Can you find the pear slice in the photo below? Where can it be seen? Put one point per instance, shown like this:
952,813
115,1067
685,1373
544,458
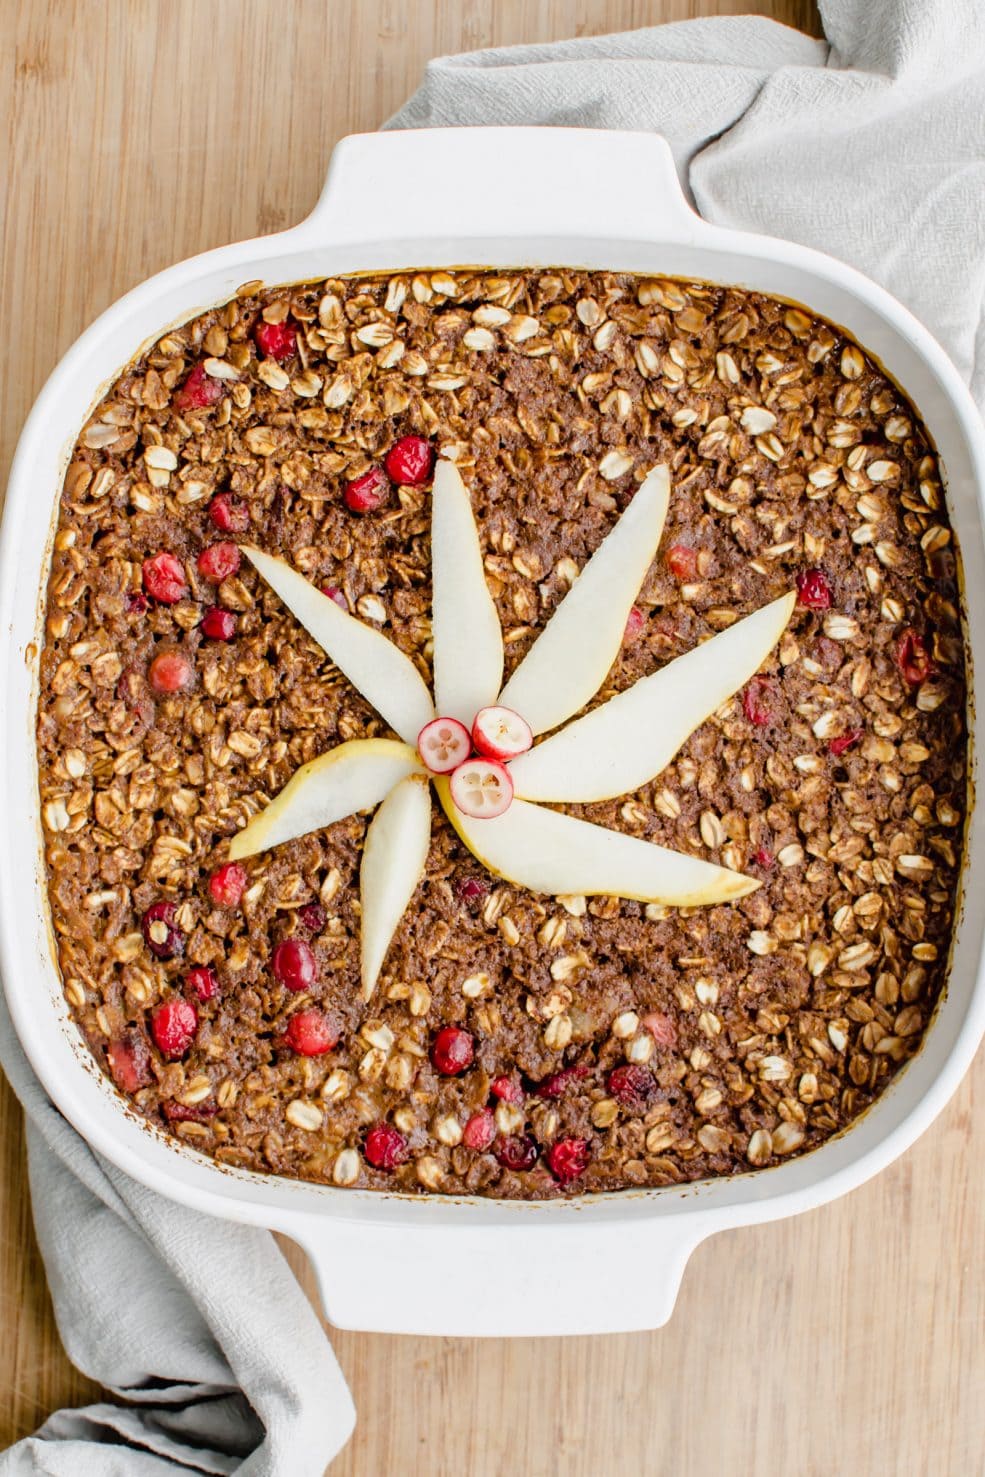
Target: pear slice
568,662
394,856
625,742
385,677
468,640
546,851
354,776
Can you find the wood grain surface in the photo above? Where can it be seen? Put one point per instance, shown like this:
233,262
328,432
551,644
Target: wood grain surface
849,1341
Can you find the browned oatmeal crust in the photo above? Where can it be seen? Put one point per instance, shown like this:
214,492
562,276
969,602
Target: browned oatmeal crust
787,1013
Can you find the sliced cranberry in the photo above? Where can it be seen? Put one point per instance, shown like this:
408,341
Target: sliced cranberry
313,917
763,857
482,788
199,390
164,940
311,1033
682,561
558,1083
443,744
452,1050
227,885
219,561
409,461
202,982
755,701
568,1159
137,604
507,1089
470,889
635,622
164,578
228,514
128,1057
385,1147
479,1131
500,733
190,1113
275,340
632,1086
334,593
813,589
218,624
661,1028
518,1152
366,493
846,741
173,1026
170,671
294,964
913,658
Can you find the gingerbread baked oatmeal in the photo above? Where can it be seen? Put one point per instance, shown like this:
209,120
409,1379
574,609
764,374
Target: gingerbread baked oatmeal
510,1040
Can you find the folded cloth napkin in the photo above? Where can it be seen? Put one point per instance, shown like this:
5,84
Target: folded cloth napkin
872,147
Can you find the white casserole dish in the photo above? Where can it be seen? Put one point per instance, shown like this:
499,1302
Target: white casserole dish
512,197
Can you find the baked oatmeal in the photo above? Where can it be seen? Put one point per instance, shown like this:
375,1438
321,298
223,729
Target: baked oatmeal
517,1044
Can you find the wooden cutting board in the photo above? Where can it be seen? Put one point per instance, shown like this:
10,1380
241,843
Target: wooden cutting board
849,1341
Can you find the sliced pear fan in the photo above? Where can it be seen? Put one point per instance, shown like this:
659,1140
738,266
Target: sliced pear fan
385,677
627,741
355,776
546,851
395,853
468,639
568,662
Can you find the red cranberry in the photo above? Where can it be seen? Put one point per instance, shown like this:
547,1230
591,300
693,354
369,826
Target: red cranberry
409,461
519,1151
452,1050
682,561
635,622
763,857
170,671
813,589
470,889
846,741
385,1147
227,885
228,514
218,625
293,963
507,1089
137,604
913,658
164,578
203,983
189,1113
567,1159
311,1033
199,390
480,1131
755,701
661,1028
218,561
129,1061
275,340
173,1026
558,1083
313,917
334,593
164,940
366,493
632,1086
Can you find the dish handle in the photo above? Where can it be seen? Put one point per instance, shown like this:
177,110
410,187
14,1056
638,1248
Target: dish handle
480,184
499,1280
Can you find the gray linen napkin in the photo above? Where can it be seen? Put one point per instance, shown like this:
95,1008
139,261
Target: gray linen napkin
872,148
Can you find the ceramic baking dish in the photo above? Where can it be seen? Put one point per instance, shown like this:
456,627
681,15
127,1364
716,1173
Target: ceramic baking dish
496,197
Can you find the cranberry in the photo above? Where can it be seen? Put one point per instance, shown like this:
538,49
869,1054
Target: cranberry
519,1151
334,593
470,889
228,514
190,1113
164,940
507,1089
218,561
366,493
227,885
170,671
913,658
275,340
846,741
661,1028
558,1083
137,604
567,1159
480,1131
202,982
173,1026
218,625
129,1061
385,1147
813,589
409,461
635,622
452,1050
632,1086
313,917
311,1033
682,561
763,857
294,965
199,390
755,701
164,578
